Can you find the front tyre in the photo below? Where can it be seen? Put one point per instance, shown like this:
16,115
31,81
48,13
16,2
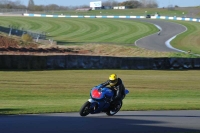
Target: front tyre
113,110
85,109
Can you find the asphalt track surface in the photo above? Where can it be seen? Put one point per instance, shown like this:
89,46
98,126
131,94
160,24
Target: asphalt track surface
158,42
122,122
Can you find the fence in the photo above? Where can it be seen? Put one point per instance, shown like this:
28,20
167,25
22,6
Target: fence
38,37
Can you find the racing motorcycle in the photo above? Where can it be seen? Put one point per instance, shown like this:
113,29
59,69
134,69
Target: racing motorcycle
100,101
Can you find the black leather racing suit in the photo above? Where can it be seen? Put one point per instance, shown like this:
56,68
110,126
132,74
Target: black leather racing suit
119,89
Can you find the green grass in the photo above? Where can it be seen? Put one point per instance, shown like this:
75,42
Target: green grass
79,31
189,40
66,90
128,12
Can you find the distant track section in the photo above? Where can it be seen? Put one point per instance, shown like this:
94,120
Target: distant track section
158,42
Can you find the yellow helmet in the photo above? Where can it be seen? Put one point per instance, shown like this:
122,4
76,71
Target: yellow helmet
113,79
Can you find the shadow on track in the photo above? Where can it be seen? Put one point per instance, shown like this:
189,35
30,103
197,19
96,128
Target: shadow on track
75,124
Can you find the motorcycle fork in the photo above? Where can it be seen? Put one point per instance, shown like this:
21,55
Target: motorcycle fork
94,104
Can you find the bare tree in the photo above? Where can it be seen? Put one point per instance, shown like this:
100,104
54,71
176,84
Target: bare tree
39,8
4,2
31,5
152,4
110,3
8,4
144,3
171,7
131,4
53,7
149,3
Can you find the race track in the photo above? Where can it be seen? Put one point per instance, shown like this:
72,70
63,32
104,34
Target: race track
158,42
122,122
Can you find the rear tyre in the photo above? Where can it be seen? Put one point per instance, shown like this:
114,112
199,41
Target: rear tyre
85,109
113,110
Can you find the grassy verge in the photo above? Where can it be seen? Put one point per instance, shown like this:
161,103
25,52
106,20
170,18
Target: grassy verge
189,40
66,90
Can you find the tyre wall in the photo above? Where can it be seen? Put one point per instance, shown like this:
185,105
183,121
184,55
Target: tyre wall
9,62
140,17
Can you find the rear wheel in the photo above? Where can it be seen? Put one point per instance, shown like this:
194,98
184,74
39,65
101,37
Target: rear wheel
85,109
114,108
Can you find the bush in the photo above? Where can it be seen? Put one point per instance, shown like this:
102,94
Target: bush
27,38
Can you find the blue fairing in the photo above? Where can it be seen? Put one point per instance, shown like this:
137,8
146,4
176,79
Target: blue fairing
104,92
100,93
126,91
101,98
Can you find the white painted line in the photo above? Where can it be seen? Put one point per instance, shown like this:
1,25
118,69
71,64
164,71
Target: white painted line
167,43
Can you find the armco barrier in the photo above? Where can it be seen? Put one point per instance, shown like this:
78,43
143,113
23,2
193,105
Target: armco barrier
8,62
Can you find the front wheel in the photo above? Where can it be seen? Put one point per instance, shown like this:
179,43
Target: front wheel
85,109
114,108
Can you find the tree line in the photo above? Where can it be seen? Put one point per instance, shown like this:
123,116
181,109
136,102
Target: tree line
17,4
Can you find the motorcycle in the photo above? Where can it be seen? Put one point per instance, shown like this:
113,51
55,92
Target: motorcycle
100,101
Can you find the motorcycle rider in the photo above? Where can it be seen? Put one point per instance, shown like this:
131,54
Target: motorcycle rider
117,86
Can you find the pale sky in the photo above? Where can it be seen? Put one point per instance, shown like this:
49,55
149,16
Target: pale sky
161,3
